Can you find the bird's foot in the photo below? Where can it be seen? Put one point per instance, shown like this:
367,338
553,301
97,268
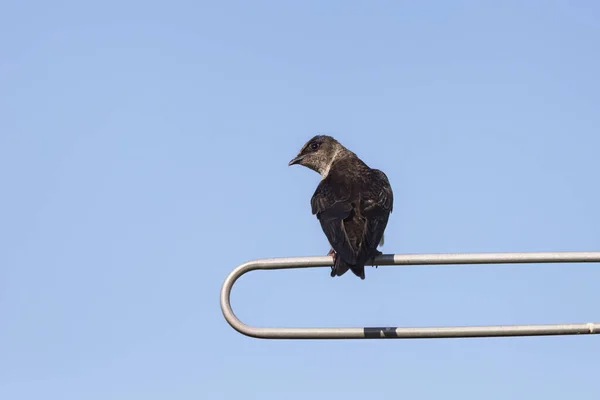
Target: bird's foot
372,259
334,255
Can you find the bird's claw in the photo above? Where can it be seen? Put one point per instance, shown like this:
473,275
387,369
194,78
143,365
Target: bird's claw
334,255
372,259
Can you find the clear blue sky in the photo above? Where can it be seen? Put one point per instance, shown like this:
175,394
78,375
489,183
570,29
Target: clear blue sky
143,155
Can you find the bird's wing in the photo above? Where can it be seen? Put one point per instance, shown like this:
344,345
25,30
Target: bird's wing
377,204
331,205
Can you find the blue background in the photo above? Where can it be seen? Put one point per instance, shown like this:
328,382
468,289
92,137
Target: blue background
143,155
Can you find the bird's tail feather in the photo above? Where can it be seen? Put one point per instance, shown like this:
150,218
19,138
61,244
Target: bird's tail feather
340,267
358,270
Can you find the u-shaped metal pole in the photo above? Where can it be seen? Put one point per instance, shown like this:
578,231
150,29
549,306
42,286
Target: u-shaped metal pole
406,332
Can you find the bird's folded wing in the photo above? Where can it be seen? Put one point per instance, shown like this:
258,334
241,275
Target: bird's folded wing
331,208
377,205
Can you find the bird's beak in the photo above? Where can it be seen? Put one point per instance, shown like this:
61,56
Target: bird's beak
296,160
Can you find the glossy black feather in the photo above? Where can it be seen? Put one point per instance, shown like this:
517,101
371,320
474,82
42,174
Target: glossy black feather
353,203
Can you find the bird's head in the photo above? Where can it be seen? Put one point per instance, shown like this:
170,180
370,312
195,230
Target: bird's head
318,154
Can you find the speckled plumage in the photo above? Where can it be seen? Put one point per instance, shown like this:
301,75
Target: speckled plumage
352,202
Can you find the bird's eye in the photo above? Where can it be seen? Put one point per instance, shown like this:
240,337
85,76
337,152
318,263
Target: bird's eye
314,146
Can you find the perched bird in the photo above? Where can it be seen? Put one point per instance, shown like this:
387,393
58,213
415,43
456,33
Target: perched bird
352,202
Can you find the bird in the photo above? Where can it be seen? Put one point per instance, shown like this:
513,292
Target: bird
352,202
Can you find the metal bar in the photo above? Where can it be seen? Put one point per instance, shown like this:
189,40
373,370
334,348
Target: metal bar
406,332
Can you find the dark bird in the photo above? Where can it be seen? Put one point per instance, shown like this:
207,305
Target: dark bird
352,202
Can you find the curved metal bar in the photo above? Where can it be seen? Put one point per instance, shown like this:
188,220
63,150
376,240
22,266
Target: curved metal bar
405,332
